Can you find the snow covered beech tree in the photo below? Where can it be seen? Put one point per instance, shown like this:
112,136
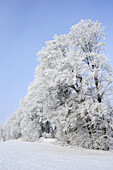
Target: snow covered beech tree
78,77
69,95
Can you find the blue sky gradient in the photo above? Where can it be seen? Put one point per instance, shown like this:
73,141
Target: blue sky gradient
25,25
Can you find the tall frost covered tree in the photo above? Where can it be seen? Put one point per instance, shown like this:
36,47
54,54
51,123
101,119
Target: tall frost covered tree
96,79
79,79
68,98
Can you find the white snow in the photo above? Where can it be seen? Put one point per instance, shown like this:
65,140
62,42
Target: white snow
49,155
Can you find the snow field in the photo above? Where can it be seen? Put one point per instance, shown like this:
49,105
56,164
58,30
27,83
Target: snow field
49,155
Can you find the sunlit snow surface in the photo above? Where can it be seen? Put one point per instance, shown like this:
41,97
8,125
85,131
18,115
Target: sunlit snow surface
49,155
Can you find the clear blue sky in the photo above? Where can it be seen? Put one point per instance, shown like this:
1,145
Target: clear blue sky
25,25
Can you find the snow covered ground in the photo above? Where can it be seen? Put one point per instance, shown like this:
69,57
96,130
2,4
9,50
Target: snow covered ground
46,155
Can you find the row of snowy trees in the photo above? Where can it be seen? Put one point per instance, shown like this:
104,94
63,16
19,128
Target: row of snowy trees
69,96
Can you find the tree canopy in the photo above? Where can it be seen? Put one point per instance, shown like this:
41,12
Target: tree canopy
68,98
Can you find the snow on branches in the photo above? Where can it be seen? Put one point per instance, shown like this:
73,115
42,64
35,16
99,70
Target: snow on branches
67,98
